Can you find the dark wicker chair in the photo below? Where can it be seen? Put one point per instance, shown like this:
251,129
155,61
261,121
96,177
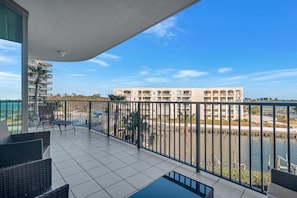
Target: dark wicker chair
46,116
26,180
32,179
20,148
20,152
44,135
283,184
61,192
284,179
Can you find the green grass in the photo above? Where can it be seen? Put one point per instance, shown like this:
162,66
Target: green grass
245,175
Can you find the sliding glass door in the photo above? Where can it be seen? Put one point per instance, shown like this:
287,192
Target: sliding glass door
14,63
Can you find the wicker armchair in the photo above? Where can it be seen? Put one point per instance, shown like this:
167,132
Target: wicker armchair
20,152
283,184
61,192
26,180
44,135
20,148
32,179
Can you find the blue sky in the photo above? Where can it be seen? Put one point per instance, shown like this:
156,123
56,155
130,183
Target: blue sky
229,43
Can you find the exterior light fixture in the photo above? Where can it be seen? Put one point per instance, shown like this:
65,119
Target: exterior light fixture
62,53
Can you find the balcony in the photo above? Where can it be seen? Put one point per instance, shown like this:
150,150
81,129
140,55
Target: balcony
187,93
224,149
45,68
146,94
99,166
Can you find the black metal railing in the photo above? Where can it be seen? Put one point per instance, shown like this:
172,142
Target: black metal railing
11,112
237,141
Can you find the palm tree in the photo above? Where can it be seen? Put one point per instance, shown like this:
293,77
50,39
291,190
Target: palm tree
295,109
186,119
39,73
133,122
116,113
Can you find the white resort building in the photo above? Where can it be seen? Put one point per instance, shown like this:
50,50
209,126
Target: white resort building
44,85
220,95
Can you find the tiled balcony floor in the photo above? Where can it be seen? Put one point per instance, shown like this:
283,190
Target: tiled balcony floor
97,166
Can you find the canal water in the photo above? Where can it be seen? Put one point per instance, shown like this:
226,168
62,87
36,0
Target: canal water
232,151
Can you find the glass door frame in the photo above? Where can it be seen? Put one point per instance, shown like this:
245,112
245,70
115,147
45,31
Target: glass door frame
24,15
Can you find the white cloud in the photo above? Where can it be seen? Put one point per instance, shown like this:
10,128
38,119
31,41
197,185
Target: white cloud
9,45
104,56
5,59
276,74
134,83
266,75
76,75
164,71
235,78
164,29
189,73
158,72
224,69
109,56
156,80
144,72
100,62
9,76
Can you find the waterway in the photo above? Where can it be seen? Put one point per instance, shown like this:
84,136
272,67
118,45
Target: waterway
228,150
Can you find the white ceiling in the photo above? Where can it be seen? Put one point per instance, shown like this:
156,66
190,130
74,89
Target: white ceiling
85,28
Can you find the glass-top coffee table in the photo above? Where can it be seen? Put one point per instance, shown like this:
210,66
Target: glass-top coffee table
174,184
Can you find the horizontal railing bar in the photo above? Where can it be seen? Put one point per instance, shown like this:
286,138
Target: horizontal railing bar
226,139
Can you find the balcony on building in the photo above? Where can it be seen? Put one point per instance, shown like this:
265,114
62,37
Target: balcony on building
187,93
98,161
146,93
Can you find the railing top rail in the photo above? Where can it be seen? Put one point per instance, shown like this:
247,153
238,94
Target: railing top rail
10,100
226,103
185,102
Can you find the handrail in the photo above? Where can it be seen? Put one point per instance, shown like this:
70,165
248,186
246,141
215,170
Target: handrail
238,135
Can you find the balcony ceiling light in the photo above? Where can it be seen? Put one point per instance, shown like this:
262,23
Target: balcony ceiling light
62,53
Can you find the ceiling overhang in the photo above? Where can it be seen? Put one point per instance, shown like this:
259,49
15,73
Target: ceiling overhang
75,30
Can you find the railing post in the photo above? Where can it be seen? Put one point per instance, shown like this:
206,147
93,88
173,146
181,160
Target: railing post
108,117
274,136
288,140
90,107
261,148
65,110
250,144
197,137
139,125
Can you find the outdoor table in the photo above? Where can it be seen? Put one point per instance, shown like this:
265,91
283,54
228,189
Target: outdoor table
174,184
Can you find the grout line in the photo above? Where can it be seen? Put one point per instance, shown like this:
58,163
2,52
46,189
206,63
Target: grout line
243,192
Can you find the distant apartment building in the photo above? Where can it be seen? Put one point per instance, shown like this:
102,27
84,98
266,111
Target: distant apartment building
215,98
44,81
